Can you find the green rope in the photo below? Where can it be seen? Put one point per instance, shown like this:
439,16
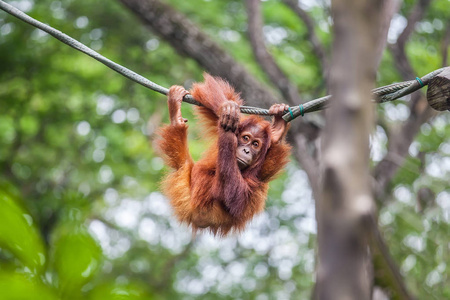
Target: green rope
420,82
290,111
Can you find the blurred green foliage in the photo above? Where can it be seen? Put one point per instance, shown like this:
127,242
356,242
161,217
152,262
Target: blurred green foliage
30,271
80,212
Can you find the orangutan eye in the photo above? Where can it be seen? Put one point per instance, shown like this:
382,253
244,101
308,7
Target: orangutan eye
245,138
255,144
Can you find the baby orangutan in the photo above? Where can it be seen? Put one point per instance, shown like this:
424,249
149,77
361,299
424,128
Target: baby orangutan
228,186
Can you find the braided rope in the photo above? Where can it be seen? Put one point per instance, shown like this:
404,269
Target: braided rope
383,90
381,94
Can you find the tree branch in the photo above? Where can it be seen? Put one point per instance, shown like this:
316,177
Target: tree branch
188,39
167,270
387,274
398,49
444,46
390,8
308,162
264,58
317,46
401,139
399,143
415,16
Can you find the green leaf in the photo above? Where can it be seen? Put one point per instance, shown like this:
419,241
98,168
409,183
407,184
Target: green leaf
18,234
14,286
76,258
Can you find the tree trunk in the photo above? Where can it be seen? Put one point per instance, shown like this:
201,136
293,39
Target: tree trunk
345,208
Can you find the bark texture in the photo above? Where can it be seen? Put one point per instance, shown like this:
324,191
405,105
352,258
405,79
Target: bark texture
346,206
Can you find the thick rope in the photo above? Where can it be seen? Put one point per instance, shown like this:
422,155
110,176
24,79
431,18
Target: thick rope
381,94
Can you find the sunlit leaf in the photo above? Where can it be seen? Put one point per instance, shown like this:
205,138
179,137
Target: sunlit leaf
18,234
76,258
14,286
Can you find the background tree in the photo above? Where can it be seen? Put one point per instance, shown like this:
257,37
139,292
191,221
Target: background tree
75,160
345,207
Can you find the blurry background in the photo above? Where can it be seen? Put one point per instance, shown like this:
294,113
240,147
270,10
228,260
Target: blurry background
81,216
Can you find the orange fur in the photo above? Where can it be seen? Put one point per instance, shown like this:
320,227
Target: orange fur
195,189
